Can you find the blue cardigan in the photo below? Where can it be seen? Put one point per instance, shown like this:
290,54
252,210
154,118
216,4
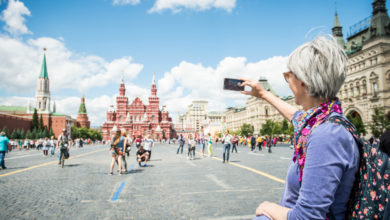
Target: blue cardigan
332,159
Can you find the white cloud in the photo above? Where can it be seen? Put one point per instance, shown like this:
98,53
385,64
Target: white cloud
22,61
13,16
200,5
126,2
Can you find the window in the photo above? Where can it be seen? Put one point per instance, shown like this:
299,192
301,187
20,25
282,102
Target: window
375,88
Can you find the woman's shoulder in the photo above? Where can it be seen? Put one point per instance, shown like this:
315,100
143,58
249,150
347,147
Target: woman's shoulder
330,134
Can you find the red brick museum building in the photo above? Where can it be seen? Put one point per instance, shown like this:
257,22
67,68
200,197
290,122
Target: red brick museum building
137,118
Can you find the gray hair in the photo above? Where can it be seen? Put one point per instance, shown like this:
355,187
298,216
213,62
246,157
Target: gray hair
321,65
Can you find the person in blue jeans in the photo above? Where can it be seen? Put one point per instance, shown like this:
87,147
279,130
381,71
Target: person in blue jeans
227,142
63,142
181,141
4,143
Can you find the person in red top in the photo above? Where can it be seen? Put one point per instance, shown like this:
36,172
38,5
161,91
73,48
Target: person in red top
138,141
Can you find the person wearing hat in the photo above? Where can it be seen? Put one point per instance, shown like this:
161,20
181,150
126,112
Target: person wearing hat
4,144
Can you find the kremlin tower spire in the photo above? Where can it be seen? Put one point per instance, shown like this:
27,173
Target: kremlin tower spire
122,89
43,90
82,117
154,88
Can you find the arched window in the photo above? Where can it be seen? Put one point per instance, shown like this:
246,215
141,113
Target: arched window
357,89
375,88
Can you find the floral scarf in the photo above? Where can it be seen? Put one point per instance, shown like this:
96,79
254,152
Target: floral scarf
305,123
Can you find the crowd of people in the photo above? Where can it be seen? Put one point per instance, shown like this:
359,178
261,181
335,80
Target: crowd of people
48,146
120,146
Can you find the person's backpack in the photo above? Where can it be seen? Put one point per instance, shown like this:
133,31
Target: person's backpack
369,197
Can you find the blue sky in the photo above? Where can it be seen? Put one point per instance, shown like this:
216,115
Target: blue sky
191,46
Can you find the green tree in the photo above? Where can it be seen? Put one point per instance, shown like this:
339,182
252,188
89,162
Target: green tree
34,133
277,128
15,134
51,133
285,127
267,127
358,123
5,130
34,122
40,124
29,135
22,134
246,129
379,122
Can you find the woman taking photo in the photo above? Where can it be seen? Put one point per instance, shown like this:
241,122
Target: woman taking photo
322,171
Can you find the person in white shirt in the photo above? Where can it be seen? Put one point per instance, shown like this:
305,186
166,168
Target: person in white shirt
227,142
148,144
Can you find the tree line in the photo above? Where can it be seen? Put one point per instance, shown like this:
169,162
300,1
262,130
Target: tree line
37,131
86,133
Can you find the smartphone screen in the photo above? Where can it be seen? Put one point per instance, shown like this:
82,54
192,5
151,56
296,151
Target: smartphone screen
233,84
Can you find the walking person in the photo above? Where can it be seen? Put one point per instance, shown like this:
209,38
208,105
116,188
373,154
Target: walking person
123,156
322,172
269,144
4,145
46,145
253,143
181,141
191,147
209,144
227,142
259,142
202,140
116,152
52,146
234,143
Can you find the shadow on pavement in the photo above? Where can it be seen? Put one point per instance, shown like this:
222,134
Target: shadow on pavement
72,165
135,171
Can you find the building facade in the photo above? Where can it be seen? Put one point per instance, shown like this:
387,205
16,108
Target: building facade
137,118
367,85
198,116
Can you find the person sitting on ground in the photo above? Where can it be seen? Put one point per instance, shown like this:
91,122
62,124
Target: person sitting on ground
142,156
326,156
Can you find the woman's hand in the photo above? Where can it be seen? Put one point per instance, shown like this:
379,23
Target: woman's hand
262,209
272,210
256,89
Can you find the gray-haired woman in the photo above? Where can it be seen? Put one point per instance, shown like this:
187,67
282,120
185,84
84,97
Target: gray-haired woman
322,171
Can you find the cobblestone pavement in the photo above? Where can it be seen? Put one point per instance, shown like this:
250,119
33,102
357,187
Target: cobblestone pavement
171,187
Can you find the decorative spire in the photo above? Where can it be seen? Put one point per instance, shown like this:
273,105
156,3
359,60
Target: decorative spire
82,108
122,89
154,89
380,23
44,68
337,31
54,107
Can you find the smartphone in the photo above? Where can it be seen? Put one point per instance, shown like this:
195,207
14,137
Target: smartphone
233,84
